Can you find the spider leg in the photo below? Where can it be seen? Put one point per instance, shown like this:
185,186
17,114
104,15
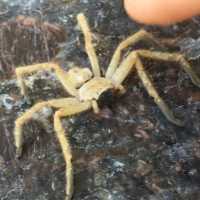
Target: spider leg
57,103
88,44
142,34
172,57
125,67
76,108
152,92
62,76
95,107
69,106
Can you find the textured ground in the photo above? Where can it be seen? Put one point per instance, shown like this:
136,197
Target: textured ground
127,152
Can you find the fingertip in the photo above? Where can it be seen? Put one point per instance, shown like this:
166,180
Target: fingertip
144,11
156,12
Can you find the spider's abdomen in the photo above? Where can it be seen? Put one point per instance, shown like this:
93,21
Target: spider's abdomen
94,88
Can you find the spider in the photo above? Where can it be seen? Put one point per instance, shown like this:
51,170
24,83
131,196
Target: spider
86,88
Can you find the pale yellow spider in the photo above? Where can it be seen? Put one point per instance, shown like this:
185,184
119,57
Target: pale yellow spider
86,88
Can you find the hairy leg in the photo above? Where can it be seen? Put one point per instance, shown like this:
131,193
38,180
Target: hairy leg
58,103
76,108
152,92
127,64
123,70
133,59
88,44
69,106
62,76
172,57
95,107
142,34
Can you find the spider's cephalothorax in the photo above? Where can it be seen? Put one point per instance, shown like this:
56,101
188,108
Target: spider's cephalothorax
87,88
93,89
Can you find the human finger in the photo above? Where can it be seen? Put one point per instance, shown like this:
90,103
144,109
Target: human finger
161,12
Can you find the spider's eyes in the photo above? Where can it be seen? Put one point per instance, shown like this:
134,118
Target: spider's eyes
79,76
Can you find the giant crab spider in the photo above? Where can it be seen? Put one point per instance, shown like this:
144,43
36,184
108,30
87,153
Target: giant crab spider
86,88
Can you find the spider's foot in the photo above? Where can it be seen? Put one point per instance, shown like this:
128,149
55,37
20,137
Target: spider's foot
69,197
27,99
18,152
24,93
177,122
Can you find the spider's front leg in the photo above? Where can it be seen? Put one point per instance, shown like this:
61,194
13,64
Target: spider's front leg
152,92
122,72
20,71
172,57
142,34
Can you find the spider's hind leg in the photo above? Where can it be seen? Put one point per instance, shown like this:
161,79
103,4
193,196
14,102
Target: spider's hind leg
69,106
68,110
20,71
88,44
